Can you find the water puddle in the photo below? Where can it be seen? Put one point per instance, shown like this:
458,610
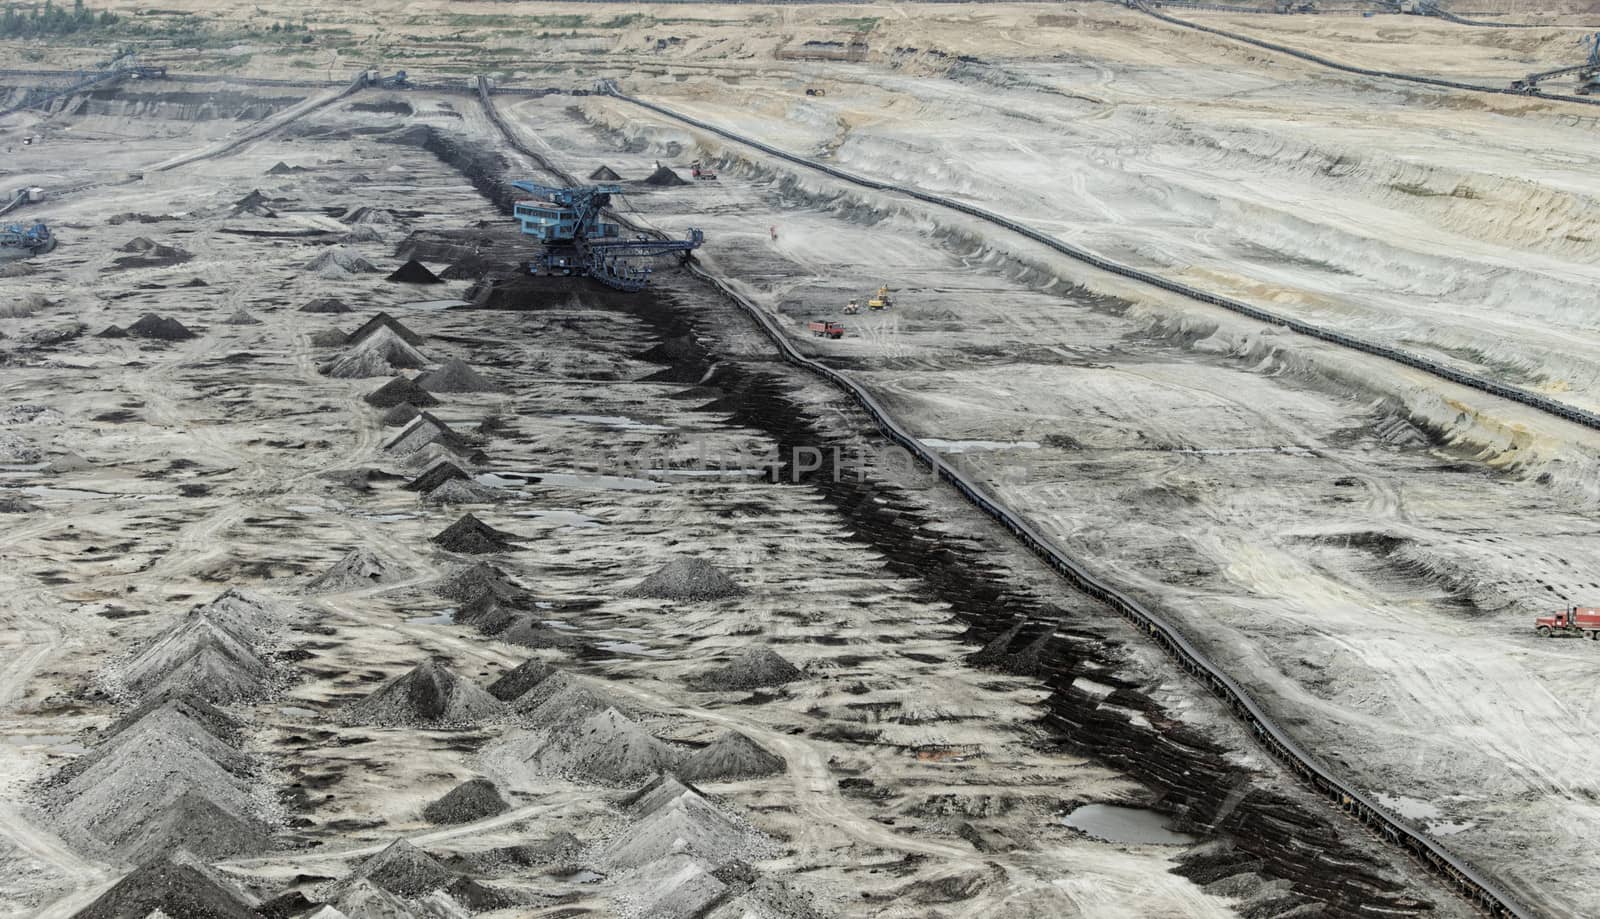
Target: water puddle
1450,829
388,518
448,617
707,473
430,305
1113,823
569,480
1410,808
619,422
294,711
562,518
582,877
967,446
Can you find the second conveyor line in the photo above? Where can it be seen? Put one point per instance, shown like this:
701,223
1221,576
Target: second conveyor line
1427,365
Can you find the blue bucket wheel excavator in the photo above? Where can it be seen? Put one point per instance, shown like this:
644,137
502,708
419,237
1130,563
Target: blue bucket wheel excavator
575,241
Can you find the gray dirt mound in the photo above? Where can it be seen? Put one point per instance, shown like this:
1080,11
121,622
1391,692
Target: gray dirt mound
606,748
664,177
176,885
358,570
428,695
467,582
731,756
686,577
361,234
530,631
458,491
521,678
450,450
340,261
468,802
147,253
366,900
752,668
436,475
201,826
456,376
208,717
400,416
379,354
426,430
682,822
472,536
562,848
325,305
209,656
413,272
162,328
280,168
328,338
402,869
604,174
489,614
241,316
25,306
562,699
384,320
368,215
398,390
15,504
675,887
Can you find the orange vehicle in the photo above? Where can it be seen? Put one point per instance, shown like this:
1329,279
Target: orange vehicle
826,328
1582,621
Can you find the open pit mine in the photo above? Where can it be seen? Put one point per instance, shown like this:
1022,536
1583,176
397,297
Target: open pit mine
1069,460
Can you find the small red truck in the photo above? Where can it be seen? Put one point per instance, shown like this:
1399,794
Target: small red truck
1582,621
703,173
826,328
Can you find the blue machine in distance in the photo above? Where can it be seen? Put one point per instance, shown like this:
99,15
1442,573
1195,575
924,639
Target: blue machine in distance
575,240
17,241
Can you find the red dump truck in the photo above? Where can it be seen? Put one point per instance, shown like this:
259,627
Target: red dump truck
1582,621
826,328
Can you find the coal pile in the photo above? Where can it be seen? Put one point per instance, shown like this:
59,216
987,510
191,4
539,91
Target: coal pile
605,748
175,884
147,253
753,668
358,570
472,536
413,272
468,802
280,168
521,678
456,376
241,316
731,756
604,174
384,320
400,416
429,695
361,234
398,390
379,354
325,305
459,491
664,177
368,215
340,262
436,475
466,582
686,578
160,328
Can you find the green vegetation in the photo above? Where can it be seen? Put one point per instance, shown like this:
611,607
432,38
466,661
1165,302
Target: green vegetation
862,24
50,19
